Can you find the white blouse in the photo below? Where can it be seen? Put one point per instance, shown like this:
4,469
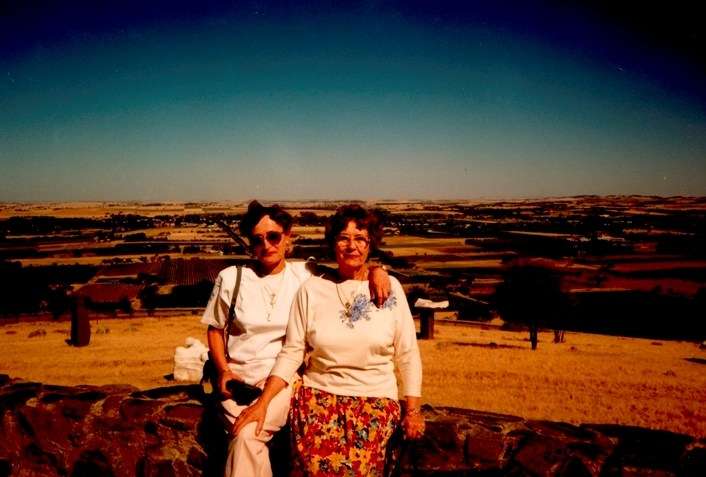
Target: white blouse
354,352
261,317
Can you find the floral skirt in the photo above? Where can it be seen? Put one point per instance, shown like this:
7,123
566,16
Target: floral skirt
340,435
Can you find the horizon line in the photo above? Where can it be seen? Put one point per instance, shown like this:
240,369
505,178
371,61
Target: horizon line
411,199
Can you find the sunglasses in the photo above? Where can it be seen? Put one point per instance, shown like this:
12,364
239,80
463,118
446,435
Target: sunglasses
273,237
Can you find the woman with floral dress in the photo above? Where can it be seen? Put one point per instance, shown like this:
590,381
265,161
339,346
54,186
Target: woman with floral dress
247,352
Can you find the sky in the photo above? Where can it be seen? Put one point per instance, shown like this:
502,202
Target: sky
177,101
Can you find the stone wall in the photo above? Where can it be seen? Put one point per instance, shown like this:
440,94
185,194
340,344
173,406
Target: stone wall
118,430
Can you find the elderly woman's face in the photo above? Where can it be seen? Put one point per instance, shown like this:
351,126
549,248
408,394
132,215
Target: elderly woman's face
269,242
352,246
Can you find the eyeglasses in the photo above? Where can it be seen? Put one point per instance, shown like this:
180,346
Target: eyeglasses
360,241
273,237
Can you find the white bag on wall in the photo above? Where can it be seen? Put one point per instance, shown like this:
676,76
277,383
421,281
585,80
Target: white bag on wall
189,360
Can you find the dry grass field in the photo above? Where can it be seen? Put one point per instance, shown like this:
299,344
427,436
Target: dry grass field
96,260
104,209
495,264
590,378
421,242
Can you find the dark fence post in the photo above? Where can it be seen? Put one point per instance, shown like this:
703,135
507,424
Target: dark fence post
426,319
80,323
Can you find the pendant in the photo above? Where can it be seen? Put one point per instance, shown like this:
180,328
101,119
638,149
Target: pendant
273,300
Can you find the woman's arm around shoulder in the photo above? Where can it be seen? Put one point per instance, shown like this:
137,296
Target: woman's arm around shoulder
380,284
378,279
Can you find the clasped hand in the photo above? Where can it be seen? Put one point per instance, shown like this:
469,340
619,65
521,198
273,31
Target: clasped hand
223,379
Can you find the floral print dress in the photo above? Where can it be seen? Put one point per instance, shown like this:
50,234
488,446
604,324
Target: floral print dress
340,435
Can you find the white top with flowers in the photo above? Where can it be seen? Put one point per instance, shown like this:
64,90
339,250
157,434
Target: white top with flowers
354,346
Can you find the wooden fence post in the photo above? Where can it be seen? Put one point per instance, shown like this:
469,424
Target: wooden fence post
80,323
426,329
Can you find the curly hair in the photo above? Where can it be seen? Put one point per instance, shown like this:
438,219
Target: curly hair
364,220
256,211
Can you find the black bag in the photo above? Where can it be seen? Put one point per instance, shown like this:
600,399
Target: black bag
243,393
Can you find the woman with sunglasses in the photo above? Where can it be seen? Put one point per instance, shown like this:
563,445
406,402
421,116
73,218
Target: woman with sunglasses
267,289
346,407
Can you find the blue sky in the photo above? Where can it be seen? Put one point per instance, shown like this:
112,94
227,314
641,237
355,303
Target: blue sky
363,101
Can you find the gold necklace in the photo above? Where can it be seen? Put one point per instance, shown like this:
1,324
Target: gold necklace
347,304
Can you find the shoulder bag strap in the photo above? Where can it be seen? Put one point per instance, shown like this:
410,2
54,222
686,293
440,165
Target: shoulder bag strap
231,310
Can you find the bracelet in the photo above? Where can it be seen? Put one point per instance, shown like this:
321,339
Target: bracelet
415,411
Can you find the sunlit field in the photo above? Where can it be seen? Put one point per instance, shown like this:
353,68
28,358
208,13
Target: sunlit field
589,378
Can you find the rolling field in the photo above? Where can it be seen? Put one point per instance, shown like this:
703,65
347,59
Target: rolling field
590,378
